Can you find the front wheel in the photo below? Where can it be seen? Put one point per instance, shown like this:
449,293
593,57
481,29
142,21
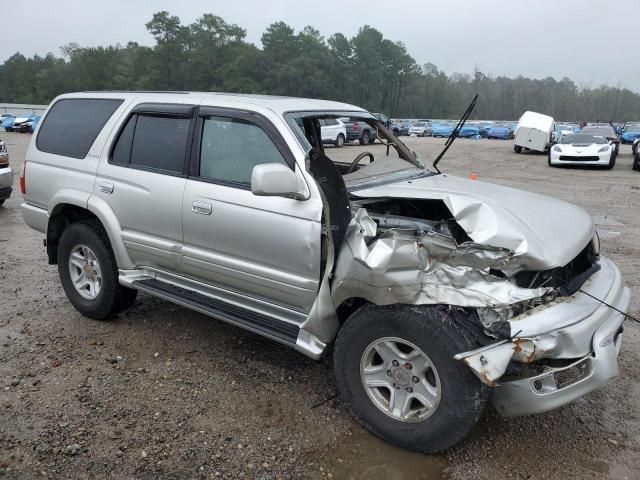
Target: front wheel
89,273
365,139
612,161
340,141
517,148
394,368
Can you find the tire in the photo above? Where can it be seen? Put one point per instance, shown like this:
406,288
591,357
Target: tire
636,163
110,298
1,202
517,148
462,396
340,141
365,139
612,161
549,159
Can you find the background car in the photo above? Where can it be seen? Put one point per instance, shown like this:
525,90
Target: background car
501,132
630,133
4,116
359,130
441,129
421,129
583,149
332,131
604,130
7,124
24,124
6,174
471,130
401,128
636,157
484,128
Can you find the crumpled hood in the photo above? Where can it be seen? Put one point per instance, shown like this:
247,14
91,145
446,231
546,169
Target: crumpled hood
542,231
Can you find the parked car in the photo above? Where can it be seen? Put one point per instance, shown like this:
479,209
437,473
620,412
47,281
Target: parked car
582,149
636,155
333,131
534,132
470,130
6,174
442,129
421,129
434,293
634,146
24,124
606,131
502,132
359,130
4,116
630,133
401,128
7,123
484,128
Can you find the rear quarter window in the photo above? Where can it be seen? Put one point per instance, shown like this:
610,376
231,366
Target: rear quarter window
72,125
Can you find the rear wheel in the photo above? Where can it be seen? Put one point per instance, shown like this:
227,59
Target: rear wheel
89,273
340,141
394,368
517,148
365,139
1,202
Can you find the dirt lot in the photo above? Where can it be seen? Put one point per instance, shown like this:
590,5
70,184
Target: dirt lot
163,392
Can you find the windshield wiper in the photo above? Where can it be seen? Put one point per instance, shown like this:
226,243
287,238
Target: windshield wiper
455,132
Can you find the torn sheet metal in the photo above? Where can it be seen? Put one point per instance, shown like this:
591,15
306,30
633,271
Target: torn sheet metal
542,232
424,267
489,363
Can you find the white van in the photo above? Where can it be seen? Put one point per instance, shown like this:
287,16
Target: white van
534,132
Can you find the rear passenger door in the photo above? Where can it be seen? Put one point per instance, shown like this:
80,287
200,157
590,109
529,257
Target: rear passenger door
143,182
258,248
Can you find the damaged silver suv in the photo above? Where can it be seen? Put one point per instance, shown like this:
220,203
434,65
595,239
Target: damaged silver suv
434,294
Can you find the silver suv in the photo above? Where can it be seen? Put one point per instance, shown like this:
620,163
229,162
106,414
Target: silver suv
6,174
433,293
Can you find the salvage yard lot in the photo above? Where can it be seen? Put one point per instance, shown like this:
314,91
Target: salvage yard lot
164,392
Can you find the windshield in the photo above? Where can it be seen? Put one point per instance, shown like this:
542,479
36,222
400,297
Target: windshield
390,159
420,124
603,131
632,128
582,138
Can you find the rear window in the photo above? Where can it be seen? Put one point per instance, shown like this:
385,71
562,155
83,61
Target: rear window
72,125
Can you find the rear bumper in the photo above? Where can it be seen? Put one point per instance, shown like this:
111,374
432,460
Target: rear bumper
5,193
35,217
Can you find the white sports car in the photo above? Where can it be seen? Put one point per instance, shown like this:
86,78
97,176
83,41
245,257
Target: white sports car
582,149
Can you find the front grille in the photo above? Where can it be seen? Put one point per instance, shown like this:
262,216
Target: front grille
579,159
567,279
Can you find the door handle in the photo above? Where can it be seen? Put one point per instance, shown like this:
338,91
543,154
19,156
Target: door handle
203,208
105,187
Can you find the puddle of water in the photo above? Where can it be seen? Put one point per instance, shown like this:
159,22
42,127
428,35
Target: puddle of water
361,456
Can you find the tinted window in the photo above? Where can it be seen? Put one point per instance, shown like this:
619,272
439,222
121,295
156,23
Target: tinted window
232,147
160,142
122,149
330,122
72,125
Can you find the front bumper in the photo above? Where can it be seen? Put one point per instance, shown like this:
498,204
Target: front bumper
580,333
600,159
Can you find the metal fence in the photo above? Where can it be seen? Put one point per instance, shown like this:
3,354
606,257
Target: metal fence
21,109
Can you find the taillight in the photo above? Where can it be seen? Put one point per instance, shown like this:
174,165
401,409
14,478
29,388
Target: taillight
356,125
23,179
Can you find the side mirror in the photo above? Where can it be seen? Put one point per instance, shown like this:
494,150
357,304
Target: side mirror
273,180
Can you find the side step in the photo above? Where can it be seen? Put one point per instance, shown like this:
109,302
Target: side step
269,326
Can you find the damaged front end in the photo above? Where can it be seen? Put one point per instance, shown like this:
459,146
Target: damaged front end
543,338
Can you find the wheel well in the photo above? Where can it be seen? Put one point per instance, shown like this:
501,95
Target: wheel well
62,216
348,307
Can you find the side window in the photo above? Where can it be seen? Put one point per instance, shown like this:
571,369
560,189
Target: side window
231,147
72,125
122,150
159,142
331,122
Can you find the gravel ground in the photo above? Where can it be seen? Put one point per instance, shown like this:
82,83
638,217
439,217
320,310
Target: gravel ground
163,392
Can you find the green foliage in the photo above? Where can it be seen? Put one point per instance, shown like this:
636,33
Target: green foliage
367,70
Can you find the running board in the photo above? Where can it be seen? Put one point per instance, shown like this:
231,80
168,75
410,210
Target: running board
262,324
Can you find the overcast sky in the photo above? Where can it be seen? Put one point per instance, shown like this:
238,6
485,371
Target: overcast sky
591,42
